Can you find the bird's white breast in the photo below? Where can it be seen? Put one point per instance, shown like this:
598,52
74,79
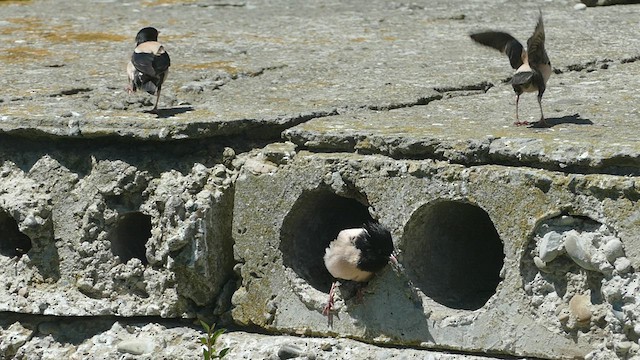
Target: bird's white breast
341,257
131,70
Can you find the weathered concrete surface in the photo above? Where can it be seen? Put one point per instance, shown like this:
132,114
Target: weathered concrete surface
112,232
463,296
108,339
591,132
86,173
237,71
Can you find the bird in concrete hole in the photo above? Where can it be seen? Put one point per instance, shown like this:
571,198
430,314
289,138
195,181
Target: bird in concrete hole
533,67
356,254
149,64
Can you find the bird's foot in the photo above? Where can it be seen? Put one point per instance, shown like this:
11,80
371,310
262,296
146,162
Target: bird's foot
521,123
129,89
326,311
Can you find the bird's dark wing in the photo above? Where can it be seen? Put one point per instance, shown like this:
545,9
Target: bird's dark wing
504,43
143,62
371,259
535,46
161,63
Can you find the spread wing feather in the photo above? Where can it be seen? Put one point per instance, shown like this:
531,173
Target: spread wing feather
504,43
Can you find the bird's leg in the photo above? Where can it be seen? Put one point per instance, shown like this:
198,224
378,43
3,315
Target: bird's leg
155,107
542,121
130,89
327,308
518,122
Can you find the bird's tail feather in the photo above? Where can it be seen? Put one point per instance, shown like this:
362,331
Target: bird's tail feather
145,83
149,87
522,78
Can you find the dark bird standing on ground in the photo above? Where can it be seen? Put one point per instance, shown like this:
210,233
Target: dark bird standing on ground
149,65
533,67
356,254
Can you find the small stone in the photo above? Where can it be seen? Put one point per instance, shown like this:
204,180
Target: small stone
636,328
580,307
192,87
24,292
623,347
622,265
563,313
137,346
599,260
550,246
613,249
30,221
579,249
579,6
329,347
219,171
289,352
228,155
74,127
257,167
279,153
541,265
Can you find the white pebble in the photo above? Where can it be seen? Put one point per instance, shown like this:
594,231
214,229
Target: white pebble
579,249
541,265
30,221
136,346
622,265
613,249
579,6
580,307
550,246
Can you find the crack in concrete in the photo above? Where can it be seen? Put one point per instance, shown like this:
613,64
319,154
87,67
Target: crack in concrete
401,105
227,4
205,84
72,91
483,87
594,65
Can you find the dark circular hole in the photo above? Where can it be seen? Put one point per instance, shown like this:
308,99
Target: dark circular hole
12,241
130,235
314,221
453,253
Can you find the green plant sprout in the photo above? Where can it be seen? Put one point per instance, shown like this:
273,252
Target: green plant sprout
209,341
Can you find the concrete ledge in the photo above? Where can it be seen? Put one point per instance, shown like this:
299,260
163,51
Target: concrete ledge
127,238
462,231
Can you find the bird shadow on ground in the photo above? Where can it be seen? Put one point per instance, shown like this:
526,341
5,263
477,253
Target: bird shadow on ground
170,112
575,119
